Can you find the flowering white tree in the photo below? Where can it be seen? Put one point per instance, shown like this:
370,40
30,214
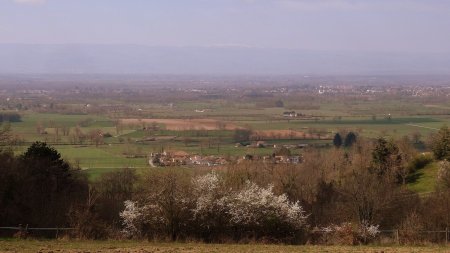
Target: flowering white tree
132,218
212,210
254,204
252,209
208,193
260,211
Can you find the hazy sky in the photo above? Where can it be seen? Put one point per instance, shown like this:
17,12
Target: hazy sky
360,25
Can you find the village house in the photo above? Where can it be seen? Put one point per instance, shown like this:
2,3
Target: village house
179,158
291,114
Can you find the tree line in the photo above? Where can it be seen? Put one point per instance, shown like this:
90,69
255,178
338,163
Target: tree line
348,194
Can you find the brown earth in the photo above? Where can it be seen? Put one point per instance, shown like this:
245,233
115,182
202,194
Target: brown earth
184,124
49,246
286,134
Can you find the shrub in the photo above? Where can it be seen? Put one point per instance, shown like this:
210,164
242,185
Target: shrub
210,210
409,231
443,175
367,232
254,211
107,135
420,161
132,219
214,213
348,233
255,206
440,144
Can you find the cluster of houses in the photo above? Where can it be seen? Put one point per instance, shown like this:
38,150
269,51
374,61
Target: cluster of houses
293,114
178,158
277,159
263,144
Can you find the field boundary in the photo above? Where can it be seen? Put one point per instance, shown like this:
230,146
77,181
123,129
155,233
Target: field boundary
390,233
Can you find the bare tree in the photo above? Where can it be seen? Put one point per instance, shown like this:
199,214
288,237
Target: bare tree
416,136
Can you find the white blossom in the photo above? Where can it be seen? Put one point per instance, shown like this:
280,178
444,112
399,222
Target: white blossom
215,206
254,204
367,230
131,216
206,190
340,233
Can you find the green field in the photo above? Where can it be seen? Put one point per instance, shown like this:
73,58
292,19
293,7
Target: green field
426,179
136,246
129,147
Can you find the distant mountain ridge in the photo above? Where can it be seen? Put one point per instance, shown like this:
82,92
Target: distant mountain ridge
135,59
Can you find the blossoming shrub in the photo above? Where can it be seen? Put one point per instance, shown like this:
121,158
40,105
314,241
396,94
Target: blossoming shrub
258,212
368,232
218,213
163,210
210,212
348,233
132,219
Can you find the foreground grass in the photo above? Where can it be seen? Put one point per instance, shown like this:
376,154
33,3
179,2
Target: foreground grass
133,246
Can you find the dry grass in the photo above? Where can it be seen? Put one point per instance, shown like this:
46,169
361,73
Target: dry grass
131,246
185,124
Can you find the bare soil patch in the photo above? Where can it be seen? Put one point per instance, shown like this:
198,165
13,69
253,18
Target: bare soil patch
287,134
185,124
142,246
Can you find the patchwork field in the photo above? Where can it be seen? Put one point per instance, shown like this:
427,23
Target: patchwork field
131,146
208,127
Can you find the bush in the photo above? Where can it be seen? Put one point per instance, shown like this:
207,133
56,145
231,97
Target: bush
213,213
419,162
409,231
210,210
259,211
107,135
164,209
348,233
132,219
443,176
440,144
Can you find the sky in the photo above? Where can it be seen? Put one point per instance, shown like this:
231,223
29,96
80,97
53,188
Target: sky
328,25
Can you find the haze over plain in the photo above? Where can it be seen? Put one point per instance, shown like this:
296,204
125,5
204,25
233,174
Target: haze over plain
225,36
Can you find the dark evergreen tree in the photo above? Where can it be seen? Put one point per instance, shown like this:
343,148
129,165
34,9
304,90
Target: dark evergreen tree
49,186
337,141
39,188
350,139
